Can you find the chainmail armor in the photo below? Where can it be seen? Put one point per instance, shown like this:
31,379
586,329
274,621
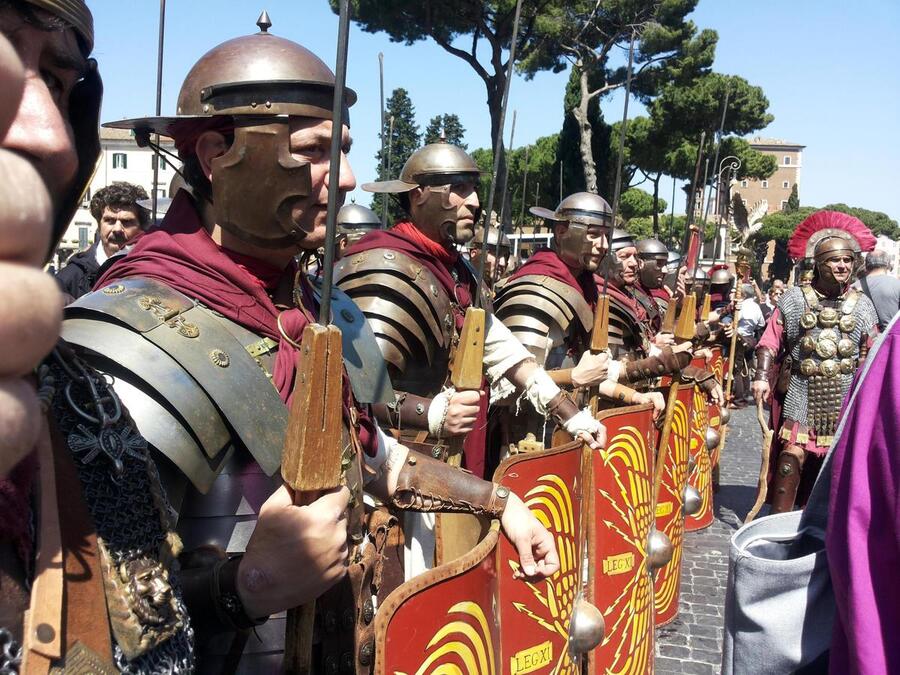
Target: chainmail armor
831,391
130,513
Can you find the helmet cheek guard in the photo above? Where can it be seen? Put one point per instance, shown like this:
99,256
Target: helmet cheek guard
573,245
256,184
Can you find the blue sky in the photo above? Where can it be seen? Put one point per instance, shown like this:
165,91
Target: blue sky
829,68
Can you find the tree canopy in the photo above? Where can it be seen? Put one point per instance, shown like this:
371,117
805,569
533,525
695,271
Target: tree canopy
402,140
779,227
539,190
448,127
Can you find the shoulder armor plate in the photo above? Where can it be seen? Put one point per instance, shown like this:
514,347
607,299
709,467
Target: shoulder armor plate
362,358
193,362
406,306
540,303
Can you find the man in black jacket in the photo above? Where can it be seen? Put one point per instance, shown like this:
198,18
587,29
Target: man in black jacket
120,222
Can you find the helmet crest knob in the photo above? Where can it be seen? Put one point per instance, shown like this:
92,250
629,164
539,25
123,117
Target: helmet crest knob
264,22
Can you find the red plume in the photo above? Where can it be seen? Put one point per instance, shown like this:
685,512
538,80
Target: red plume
834,220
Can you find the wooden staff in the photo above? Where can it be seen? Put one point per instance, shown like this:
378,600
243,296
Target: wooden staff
684,331
763,484
312,461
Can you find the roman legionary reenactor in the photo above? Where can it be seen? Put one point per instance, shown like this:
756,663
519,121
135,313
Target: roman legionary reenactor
496,250
654,257
550,302
813,344
354,222
200,329
631,335
414,288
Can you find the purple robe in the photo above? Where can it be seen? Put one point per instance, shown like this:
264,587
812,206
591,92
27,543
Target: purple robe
863,537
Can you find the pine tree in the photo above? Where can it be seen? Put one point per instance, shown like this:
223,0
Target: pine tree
793,202
448,124
403,141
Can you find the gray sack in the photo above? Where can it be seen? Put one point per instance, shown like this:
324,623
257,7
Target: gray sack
779,604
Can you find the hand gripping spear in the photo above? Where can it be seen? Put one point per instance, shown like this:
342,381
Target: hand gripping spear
313,451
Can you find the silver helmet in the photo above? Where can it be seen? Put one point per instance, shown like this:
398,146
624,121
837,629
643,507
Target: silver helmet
582,213
355,221
654,262
437,168
721,276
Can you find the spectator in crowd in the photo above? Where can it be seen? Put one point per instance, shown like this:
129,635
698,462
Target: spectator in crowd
776,290
882,287
750,327
120,222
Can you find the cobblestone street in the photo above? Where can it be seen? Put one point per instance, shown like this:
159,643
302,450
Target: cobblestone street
693,642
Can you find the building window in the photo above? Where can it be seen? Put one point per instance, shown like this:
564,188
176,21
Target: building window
83,233
162,162
783,204
787,160
86,200
785,184
765,184
744,183
160,193
120,160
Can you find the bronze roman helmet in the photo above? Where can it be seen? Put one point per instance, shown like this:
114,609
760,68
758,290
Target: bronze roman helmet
249,88
83,109
580,212
654,262
494,236
436,167
620,239
354,221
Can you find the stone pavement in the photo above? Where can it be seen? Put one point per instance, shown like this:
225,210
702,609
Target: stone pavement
693,642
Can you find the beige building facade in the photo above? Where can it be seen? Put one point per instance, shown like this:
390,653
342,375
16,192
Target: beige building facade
776,189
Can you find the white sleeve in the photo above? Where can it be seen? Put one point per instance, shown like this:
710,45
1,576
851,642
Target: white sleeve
376,464
502,350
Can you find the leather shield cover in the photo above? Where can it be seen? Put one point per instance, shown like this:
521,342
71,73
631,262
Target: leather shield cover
621,517
669,515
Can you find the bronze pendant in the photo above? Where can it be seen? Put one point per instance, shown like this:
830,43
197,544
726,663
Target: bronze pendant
808,367
828,317
807,344
847,323
826,349
828,334
808,320
829,368
847,366
846,347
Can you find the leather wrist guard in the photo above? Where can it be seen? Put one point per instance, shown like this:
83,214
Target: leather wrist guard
562,408
764,360
701,333
654,366
701,377
408,411
428,485
210,592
